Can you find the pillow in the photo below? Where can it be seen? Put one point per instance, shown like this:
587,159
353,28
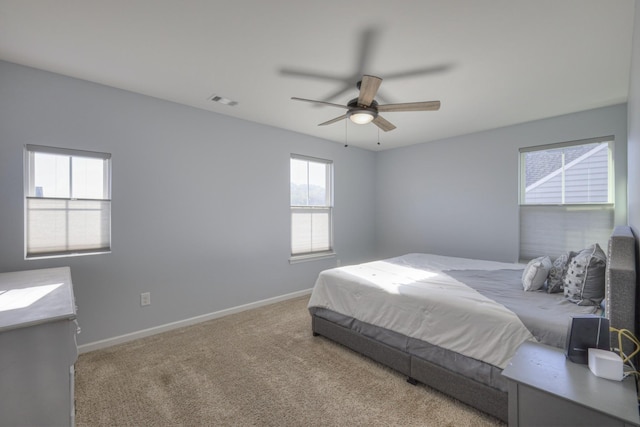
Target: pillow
584,281
555,282
535,273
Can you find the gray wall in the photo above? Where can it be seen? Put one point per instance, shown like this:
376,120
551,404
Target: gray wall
634,128
459,196
634,132
200,213
200,200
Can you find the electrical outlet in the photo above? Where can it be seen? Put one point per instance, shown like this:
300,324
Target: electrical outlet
338,263
145,298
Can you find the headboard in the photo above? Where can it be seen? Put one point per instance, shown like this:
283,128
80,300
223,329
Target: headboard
620,283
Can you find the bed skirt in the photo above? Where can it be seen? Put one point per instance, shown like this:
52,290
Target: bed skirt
469,391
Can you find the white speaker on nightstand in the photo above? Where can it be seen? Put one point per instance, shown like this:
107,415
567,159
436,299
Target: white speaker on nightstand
605,364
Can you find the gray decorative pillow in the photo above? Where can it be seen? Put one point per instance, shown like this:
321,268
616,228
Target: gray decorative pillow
584,281
535,273
555,281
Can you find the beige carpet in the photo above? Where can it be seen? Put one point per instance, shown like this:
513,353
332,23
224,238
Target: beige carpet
261,367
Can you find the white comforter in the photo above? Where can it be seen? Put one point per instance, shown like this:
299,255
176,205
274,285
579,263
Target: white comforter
411,295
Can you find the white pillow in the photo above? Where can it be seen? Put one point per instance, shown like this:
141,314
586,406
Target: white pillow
535,273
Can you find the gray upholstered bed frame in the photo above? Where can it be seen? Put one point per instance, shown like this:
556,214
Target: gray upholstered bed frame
620,308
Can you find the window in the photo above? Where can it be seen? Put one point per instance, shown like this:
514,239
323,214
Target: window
566,196
67,202
311,207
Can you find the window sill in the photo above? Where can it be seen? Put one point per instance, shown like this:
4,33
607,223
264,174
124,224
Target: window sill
295,259
64,255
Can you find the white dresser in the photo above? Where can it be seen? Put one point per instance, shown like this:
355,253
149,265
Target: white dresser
37,348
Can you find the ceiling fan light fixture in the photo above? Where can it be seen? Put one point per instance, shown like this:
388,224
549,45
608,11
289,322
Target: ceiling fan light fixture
362,116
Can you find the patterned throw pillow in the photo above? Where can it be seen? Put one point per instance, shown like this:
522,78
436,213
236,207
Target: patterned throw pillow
584,281
535,273
555,281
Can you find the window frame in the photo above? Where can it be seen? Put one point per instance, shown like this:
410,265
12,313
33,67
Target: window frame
610,166
582,223
71,202
328,207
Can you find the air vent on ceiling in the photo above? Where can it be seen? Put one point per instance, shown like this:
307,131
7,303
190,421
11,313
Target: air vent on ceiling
222,100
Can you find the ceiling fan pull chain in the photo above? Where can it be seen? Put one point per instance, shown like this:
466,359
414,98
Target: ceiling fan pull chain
345,134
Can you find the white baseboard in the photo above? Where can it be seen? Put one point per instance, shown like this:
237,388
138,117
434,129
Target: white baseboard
97,345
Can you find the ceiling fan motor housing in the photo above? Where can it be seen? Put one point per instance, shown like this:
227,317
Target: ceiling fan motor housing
354,104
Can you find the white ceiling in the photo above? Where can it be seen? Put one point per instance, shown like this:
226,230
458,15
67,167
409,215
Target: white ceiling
491,63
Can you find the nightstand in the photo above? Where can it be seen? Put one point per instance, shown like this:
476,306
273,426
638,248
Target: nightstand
546,389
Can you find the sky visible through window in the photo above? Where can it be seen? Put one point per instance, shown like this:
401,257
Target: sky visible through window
308,183
52,175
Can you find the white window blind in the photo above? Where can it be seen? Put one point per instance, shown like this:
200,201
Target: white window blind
310,229
311,206
566,197
67,202
553,230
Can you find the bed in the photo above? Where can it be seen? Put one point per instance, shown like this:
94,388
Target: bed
454,323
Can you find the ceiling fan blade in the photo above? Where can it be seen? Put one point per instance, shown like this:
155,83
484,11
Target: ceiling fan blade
338,93
383,124
311,74
367,46
368,89
320,102
411,106
419,71
337,119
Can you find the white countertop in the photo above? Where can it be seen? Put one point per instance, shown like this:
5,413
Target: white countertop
35,296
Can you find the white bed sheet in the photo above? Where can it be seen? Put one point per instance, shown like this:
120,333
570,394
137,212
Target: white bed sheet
412,295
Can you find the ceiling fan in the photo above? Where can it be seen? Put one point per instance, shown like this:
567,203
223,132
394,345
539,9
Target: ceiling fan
364,109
